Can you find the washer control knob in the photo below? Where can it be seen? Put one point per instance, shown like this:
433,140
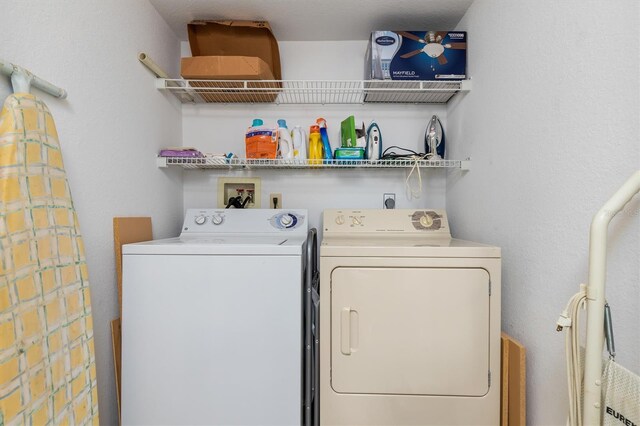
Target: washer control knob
426,221
286,220
355,220
340,220
216,219
200,220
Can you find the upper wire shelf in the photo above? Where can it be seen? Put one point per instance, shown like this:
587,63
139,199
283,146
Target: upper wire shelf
247,164
313,91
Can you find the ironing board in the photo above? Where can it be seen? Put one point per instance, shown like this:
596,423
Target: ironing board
47,358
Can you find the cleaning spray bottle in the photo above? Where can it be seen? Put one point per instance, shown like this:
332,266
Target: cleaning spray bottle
315,145
299,138
285,144
326,146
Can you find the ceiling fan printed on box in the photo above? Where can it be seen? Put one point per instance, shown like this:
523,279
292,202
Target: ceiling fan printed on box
430,55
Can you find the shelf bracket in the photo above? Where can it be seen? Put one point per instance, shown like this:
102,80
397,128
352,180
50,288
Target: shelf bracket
161,162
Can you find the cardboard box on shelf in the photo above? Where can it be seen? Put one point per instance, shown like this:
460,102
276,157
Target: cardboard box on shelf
226,68
233,50
416,55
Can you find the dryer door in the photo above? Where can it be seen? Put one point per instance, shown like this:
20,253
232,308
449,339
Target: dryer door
411,331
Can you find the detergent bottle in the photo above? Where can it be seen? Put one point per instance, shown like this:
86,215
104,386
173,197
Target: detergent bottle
326,146
299,138
261,141
315,145
285,144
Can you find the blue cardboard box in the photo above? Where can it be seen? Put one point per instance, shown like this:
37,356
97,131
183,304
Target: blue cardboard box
416,55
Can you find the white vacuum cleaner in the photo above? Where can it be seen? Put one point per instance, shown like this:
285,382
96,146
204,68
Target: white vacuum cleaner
612,398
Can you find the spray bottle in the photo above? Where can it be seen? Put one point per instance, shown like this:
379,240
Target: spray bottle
326,146
285,144
315,145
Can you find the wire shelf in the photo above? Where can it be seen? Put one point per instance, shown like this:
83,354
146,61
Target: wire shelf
248,164
313,92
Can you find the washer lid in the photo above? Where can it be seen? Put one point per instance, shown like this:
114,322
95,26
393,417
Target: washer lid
220,244
405,247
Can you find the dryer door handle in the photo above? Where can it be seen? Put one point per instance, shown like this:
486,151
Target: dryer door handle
348,330
345,331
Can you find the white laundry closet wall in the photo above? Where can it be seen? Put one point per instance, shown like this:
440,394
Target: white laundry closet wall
221,128
552,127
111,127
552,82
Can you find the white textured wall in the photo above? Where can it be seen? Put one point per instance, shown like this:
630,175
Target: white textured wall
552,127
111,126
552,81
221,128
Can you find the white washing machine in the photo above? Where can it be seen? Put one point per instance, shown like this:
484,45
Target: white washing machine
409,322
212,323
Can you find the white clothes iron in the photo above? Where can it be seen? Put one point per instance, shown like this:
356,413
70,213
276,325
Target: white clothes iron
434,139
374,142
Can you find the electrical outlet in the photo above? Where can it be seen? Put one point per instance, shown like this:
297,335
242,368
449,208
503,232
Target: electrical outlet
389,200
248,189
275,200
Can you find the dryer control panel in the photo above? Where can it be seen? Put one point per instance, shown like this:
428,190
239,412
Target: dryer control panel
377,222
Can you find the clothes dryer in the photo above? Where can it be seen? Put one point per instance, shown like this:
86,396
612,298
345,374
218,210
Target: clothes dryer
214,321
409,321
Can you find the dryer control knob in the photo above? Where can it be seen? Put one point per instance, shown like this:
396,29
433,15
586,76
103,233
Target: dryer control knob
286,220
340,219
200,220
426,221
217,219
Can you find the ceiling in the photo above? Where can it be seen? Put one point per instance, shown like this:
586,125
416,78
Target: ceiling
316,20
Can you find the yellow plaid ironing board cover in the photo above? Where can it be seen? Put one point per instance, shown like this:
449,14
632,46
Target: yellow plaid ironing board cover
47,358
